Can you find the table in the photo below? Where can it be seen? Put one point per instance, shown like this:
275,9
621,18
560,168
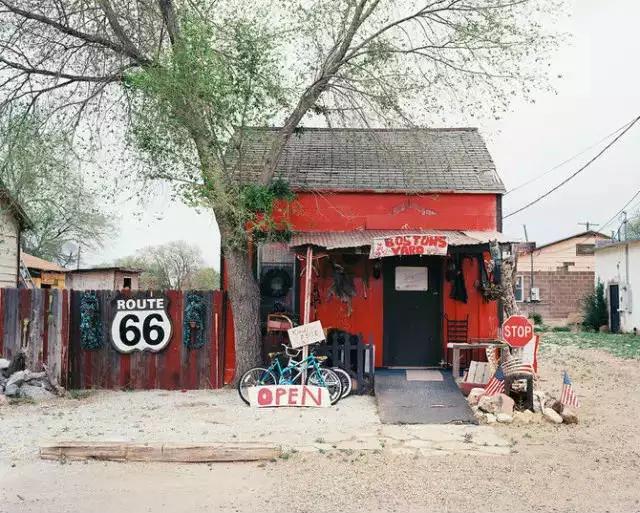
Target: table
480,344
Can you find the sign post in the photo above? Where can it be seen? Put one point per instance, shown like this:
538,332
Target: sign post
517,331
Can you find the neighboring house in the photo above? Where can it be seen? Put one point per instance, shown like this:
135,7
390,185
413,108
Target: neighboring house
563,274
618,268
44,274
429,192
99,278
13,220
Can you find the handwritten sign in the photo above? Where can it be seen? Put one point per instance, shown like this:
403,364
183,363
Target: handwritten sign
401,245
306,334
274,396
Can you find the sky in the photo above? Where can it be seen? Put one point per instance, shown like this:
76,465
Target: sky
598,94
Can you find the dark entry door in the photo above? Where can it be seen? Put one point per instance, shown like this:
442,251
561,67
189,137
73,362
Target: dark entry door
412,311
614,304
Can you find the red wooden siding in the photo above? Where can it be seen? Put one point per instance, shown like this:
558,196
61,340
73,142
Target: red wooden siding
317,212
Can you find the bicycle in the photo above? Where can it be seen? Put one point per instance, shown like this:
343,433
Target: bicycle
291,374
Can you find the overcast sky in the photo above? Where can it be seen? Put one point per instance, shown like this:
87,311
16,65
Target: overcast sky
597,95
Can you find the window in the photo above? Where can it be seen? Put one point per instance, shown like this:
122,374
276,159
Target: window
585,249
519,288
126,282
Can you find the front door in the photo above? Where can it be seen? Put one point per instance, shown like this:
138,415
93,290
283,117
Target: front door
412,317
614,303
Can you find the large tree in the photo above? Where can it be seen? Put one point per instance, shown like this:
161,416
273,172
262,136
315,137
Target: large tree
41,172
193,75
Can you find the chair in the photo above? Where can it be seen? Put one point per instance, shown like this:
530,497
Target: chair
457,330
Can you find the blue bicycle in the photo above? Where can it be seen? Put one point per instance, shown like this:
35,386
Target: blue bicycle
291,374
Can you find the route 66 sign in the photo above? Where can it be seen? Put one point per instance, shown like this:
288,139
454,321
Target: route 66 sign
140,324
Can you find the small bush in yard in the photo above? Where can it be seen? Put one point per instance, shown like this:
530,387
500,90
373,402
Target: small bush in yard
536,318
595,309
561,329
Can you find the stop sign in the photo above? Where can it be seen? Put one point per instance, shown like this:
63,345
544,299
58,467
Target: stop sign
517,331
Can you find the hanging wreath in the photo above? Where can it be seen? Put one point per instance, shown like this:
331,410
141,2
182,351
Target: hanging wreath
275,283
90,322
195,311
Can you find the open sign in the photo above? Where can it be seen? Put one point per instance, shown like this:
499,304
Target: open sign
289,395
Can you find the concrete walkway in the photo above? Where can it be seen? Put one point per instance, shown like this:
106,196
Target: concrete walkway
420,397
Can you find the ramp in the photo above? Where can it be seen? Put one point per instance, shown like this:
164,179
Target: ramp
426,397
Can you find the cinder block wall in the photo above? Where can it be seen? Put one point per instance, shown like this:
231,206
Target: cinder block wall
561,294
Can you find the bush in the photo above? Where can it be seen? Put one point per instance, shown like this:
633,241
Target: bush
594,307
562,329
536,318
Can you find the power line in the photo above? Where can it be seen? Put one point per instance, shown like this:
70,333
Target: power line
615,216
569,178
535,179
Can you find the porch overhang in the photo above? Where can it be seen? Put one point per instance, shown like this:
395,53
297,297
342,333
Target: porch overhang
364,238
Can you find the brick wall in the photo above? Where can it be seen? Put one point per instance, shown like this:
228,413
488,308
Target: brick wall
561,294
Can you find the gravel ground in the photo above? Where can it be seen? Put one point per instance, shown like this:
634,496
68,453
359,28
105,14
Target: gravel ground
589,467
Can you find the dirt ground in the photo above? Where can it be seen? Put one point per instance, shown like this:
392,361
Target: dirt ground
341,459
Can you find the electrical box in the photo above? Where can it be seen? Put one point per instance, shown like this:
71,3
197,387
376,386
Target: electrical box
535,294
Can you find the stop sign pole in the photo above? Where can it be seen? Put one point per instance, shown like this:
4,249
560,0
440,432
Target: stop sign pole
517,331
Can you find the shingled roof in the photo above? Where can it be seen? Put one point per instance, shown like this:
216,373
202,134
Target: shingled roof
381,160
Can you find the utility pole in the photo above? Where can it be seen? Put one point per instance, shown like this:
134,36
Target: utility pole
625,222
588,225
526,238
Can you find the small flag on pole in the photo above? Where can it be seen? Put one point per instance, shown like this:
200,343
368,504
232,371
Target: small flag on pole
568,397
496,383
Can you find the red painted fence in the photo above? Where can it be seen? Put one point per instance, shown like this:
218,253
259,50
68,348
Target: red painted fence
46,324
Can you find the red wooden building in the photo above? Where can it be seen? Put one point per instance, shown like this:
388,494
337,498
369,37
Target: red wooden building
429,197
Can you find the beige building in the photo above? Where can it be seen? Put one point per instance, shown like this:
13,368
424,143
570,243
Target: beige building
44,274
103,278
563,274
12,221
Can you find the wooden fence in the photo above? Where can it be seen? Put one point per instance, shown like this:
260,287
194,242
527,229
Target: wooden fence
353,355
36,321
47,325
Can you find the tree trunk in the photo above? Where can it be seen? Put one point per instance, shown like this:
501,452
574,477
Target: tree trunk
244,294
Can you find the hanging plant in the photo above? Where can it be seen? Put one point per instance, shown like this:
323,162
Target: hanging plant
90,322
343,286
195,311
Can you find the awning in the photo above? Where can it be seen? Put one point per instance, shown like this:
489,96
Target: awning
364,238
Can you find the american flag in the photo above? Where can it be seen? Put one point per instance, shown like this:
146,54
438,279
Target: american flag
568,397
515,365
496,383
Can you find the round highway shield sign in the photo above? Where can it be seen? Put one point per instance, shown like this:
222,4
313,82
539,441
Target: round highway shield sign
517,331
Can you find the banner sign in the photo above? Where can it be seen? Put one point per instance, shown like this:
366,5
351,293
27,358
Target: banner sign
140,324
289,395
401,245
306,334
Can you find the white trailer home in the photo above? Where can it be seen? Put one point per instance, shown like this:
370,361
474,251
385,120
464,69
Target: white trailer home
618,267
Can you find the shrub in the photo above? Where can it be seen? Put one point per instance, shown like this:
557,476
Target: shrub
563,329
536,318
594,307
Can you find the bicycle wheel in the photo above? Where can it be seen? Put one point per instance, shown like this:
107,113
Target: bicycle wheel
345,380
328,379
252,378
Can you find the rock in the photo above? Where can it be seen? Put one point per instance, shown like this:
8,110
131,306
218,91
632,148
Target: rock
4,363
504,418
474,396
552,416
34,392
11,390
500,403
20,377
523,417
569,415
3,400
490,418
539,399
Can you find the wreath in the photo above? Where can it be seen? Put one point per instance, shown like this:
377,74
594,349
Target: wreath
195,311
275,283
90,322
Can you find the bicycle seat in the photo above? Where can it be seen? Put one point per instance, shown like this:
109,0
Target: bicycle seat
321,358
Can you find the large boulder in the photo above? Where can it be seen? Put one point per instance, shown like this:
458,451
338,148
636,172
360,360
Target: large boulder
500,403
550,415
